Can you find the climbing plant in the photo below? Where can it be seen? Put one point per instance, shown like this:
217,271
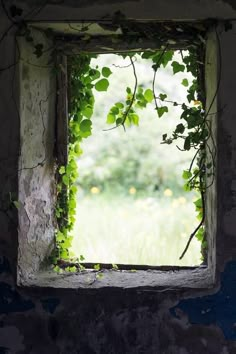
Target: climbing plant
193,131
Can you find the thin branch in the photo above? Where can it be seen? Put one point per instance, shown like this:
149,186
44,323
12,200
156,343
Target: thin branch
179,148
131,102
154,76
203,210
169,101
134,92
193,159
125,66
199,225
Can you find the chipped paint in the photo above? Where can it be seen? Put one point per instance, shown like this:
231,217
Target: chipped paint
218,309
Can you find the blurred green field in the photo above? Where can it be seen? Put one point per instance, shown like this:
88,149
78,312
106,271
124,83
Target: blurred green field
131,205
135,231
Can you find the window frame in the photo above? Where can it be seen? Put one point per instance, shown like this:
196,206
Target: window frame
154,277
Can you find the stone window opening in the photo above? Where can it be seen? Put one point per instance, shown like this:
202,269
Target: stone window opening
144,195
33,201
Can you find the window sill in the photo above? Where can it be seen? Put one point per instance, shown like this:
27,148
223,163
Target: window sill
196,278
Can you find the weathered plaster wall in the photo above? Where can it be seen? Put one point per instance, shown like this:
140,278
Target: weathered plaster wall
36,321
37,86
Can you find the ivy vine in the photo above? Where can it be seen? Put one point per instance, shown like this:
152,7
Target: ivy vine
193,131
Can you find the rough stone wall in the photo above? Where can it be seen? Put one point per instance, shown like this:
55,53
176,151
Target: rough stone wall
36,321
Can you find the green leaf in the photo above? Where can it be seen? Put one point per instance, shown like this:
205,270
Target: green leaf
114,110
187,143
88,112
180,128
164,136
161,111
85,128
17,204
72,203
77,149
168,55
67,243
186,187
60,236
148,94
115,267
162,59
111,118
162,96
62,170
185,82
119,105
200,234
97,266
177,67
64,254
198,203
148,55
95,74
73,269
186,174
102,85
141,104
134,118
65,180
106,72
119,121
85,125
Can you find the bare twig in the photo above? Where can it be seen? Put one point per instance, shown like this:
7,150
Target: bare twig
124,66
203,211
199,225
154,76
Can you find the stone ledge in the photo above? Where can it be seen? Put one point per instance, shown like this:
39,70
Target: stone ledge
196,278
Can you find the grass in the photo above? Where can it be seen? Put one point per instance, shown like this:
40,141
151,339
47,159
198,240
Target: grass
130,230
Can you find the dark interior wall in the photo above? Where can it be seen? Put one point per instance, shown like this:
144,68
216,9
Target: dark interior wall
167,321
